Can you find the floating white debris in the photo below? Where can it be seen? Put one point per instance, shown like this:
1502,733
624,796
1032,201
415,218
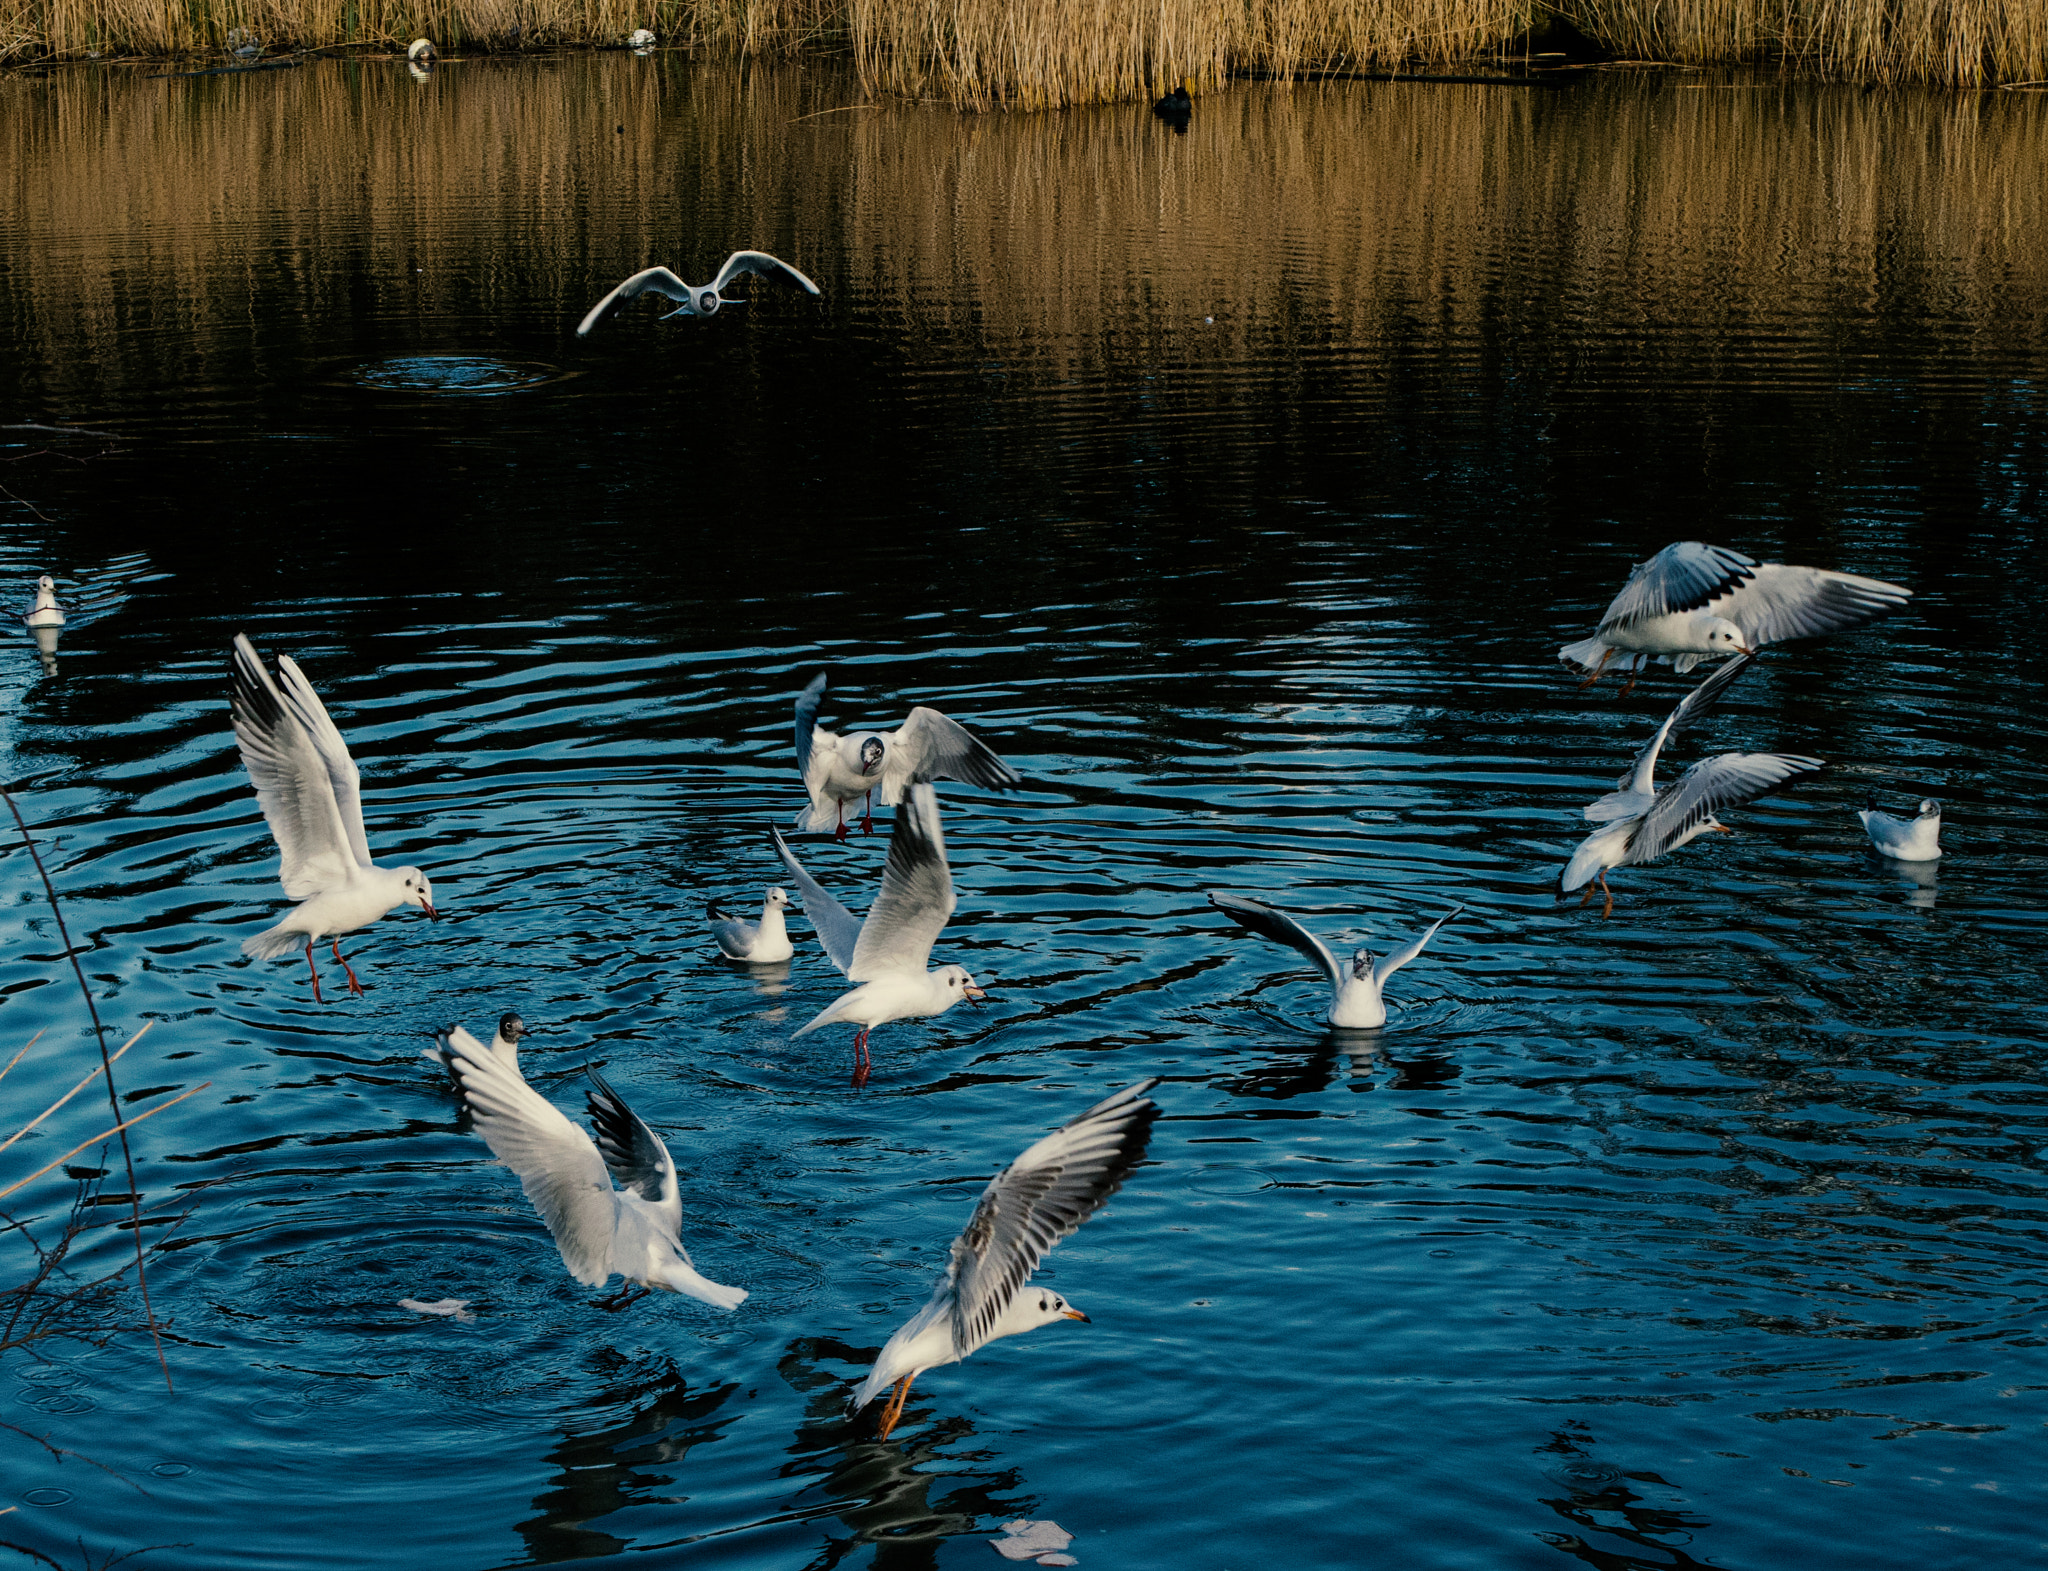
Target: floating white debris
1039,1541
457,1307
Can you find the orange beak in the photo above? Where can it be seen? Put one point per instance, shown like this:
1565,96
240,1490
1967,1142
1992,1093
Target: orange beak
973,994
1075,1314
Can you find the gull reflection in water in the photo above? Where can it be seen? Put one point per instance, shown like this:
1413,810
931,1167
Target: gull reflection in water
1601,1500
1364,1058
1919,878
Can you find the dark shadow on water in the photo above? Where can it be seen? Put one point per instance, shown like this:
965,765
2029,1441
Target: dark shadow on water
1647,1537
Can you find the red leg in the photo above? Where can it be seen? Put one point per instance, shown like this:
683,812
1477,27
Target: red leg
862,1063
867,815
1602,666
839,810
354,986
1630,685
894,1410
316,973
1608,909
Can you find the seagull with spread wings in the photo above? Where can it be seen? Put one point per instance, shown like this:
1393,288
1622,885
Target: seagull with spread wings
1692,602
1055,1186
1637,788
1356,1001
635,1229
697,299
888,952
840,770
312,796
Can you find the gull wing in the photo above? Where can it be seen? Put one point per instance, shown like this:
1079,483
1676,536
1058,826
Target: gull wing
1779,602
930,746
1255,916
838,929
558,1166
1055,1186
654,280
1711,785
916,895
635,1154
765,265
1638,785
1384,968
807,705
293,781
341,769
1681,577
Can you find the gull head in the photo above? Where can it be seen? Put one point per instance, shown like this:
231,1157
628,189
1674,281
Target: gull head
1929,808
958,984
511,1028
1043,1306
1361,964
705,301
47,584
871,755
778,898
418,892
1723,637
421,51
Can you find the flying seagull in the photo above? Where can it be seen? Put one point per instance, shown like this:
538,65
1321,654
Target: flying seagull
1915,839
635,1229
697,300
1355,985
889,951
1637,788
759,943
840,770
1055,1186
1692,602
311,794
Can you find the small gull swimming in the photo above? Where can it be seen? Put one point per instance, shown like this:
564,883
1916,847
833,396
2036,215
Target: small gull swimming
634,1230
45,612
1356,985
1637,788
758,943
697,299
1692,602
1915,839
841,769
888,952
1041,1197
311,794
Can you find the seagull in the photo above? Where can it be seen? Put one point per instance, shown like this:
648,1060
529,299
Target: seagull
1915,839
635,1229
1678,813
759,943
697,300
1055,1186
1355,987
1692,602
310,792
421,51
839,770
888,952
641,38
46,612
1638,783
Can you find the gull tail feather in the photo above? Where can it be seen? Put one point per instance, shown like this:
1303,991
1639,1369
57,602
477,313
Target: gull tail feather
684,1279
272,942
1587,653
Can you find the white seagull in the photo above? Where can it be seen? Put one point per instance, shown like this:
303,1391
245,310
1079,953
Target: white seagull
1055,1186
1915,839
1678,813
1638,783
46,612
758,943
840,770
634,1230
697,299
310,792
1355,986
640,38
421,51
888,953
1692,602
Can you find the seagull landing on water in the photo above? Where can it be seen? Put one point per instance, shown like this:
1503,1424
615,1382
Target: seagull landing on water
1356,1003
841,770
1692,602
697,299
758,943
888,953
312,796
45,612
1915,839
1055,1186
636,1229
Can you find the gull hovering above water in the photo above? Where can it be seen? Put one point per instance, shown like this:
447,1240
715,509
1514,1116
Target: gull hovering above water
697,299
1355,985
1055,1186
840,770
889,951
759,943
1693,602
1915,839
636,1229
312,796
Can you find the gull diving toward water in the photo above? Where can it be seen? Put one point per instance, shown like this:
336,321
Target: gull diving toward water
1055,1186
759,943
1692,602
887,954
1355,986
1637,788
1915,839
309,790
840,770
635,1229
45,612
697,299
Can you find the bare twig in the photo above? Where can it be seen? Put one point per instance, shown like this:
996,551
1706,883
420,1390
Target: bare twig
61,430
25,502
68,1095
107,1134
60,1452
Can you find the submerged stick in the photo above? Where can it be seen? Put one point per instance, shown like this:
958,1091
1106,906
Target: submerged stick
1397,76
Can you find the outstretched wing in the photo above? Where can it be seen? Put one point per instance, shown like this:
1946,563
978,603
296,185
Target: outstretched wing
1386,967
292,779
838,929
1055,1186
634,1153
808,703
655,280
1711,786
765,265
1641,778
1779,602
341,769
1255,916
929,746
1681,577
916,895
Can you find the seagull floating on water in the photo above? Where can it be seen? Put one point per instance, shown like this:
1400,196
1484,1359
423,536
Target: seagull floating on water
312,796
759,943
840,770
45,612
697,299
1637,788
1692,602
889,951
421,51
1055,1186
640,38
1355,986
1915,839
634,1230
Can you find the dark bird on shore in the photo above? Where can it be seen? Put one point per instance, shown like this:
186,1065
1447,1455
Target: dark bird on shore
1176,108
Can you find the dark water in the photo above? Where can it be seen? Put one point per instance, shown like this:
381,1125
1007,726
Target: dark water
1238,487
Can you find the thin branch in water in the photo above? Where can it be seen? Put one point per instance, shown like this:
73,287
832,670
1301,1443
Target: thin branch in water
25,502
105,1134
68,1095
61,430
17,1058
61,1452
